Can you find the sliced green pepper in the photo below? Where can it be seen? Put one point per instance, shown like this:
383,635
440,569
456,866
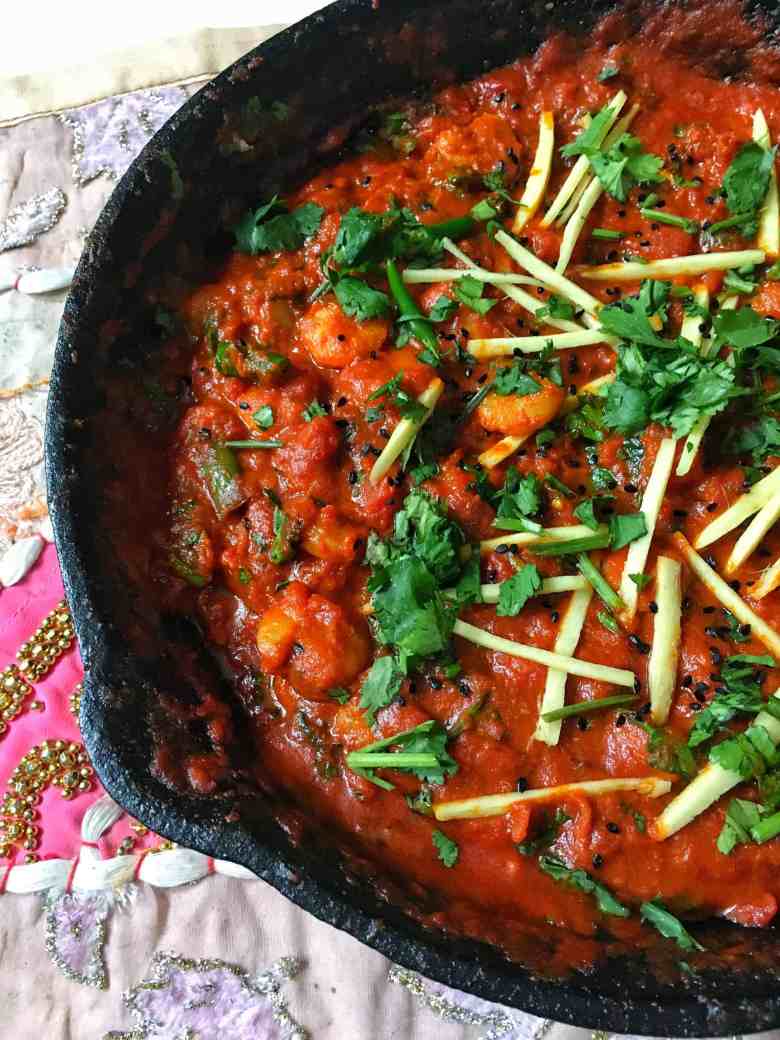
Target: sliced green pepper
221,471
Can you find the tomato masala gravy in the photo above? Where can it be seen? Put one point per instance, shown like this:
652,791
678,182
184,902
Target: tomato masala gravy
476,490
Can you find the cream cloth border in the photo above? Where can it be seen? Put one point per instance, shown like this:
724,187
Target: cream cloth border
176,60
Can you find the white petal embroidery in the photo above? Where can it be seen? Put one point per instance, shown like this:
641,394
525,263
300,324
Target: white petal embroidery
19,559
31,218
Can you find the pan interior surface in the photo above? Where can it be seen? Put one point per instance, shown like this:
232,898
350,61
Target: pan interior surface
169,213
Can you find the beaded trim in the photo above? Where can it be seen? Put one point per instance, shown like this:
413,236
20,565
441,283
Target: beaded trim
52,763
14,689
53,637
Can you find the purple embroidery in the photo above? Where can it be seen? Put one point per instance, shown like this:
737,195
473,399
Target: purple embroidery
76,935
211,1000
108,135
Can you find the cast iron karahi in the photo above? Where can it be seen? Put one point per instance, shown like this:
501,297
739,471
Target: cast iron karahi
329,69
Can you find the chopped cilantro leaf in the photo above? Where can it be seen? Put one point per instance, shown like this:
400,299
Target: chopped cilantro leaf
744,328
515,592
760,439
586,510
447,848
670,927
741,815
626,527
608,71
591,138
580,879
380,687
443,309
338,694
273,228
513,379
359,300
313,410
624,165
469,291
264,417
556,307
521,496
746,183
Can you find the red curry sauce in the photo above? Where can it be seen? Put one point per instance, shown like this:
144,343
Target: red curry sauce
303,624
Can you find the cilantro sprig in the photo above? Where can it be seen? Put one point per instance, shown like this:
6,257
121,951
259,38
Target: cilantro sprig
422,751
272,228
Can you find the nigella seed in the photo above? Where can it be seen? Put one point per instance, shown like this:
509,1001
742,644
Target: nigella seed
582,723
745,630
342,423
482,379
708,610
384,432
631,489
644,710
736,585
687,681
653,607
711,507
679,512
353,476
502,549
638,644
341,402
695,706
637,685
716,655
620,720
243,405
555,617
521,784
598,860
464,687
613,828
436,684
686,603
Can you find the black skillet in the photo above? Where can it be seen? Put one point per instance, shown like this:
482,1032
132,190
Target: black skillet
176,196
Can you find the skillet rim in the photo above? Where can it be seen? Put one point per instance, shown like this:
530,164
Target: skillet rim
182,819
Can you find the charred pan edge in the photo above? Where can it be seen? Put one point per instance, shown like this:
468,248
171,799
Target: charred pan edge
377,57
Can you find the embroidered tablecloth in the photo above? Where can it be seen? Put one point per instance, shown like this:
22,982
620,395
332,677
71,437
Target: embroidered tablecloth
104,931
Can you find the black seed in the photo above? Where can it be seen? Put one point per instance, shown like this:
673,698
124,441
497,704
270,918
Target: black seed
708,610
341,402
436,684
638,644
653,607
521,784
555,617
342,423
353,476
501,549
598,860
687,681
582,723
630,488
712,507
613,828
620,720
